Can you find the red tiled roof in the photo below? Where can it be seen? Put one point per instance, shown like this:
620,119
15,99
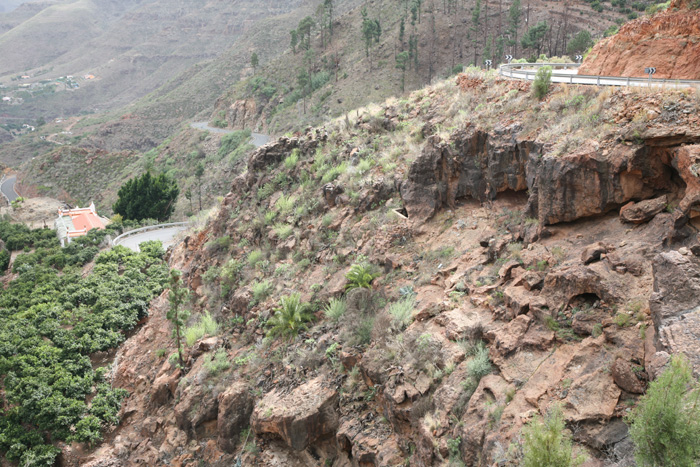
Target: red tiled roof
87,221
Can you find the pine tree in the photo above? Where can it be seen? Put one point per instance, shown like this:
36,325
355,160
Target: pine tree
147,197
514,16
294,39
199,172
254,62
534,37
304,28
402,60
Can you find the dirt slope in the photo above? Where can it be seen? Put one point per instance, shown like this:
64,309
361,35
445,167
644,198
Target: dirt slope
669,41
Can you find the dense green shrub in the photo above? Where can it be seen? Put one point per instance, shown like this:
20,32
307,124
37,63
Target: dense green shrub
360,275
402,312
543,80
665,426
50,323
206,326
147,197
545,443
232,141
4,259
290,317
335,309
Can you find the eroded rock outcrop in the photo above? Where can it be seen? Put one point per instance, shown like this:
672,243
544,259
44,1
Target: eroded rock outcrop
478,165
307,414
675,304
587,182
669,41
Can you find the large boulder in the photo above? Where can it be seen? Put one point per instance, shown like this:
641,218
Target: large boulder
563,284
643,211
306,415
235,406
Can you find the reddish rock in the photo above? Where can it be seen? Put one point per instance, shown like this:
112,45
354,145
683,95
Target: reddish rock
531,280
593,252
306,415
675,305
367,445
235,407
669,41
643,211
204,345
164,388
563,284
197,405
625,378
517,300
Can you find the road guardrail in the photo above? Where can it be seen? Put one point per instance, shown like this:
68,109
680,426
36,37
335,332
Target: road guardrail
131,233
521,71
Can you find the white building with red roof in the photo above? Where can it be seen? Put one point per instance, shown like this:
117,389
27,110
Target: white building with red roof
76,222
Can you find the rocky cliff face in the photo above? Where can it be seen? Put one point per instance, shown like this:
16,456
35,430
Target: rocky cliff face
669,41
533,277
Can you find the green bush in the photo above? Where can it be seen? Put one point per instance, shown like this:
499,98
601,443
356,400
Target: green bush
147,197
260,291
254,257
543,80
207,326
335,309
290,317
4,259
285,204
360,275
480,365
402,312
545,443
50,325
291,160
232,141
215,364
665,425
230,275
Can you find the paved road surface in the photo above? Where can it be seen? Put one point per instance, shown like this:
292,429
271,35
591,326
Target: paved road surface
8,188
167,236
258,138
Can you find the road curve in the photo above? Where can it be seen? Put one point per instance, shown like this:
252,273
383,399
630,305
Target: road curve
258,139
167,236
8,188
568,73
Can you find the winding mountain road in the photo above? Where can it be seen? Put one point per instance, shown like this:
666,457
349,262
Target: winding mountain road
8,188
258,139
568,73
166,235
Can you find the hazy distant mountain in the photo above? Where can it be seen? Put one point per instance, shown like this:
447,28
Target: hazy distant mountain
130,47
9,5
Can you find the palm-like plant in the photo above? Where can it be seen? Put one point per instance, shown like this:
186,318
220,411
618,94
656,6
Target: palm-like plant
290,318
360,275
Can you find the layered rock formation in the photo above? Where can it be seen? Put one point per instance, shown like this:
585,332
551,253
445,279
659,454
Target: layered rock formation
668,41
